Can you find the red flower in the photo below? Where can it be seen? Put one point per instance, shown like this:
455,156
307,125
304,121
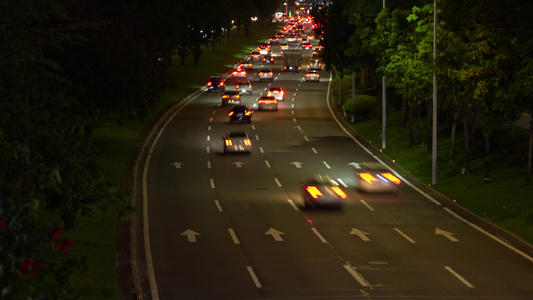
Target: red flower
30,266
55,235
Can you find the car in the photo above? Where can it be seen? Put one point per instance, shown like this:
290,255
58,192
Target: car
267,103
268,59
244,87
312,75
315,64
239,74
374,177
240,114
255,56
266,74
215,83
323,191
246,65
277,93
284,46
237,141
307,46
231,97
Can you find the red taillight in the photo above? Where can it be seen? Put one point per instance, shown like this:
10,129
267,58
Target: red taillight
248,113
368,177
339,192
222,83
313,191
231,113
209,83
247,142
392,178
281,93
270,73
229,143
261,73
225,96
237,96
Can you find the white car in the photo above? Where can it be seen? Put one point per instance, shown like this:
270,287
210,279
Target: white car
277,93
267,103
266,74
312,75
237,141
373,177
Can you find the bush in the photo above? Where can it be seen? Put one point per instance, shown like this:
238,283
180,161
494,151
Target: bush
362,108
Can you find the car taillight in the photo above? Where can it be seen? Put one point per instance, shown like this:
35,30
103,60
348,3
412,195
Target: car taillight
368,177
261,73
339,192
247,142
222,83
281,93
313,191
270,73
237,96
229,143
392,178
225,96
231,113
248,113
209,83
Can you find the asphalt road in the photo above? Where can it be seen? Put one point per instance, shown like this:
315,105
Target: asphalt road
233,226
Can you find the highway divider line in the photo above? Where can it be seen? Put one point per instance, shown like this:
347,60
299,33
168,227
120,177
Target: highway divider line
254,277
355,275
468,284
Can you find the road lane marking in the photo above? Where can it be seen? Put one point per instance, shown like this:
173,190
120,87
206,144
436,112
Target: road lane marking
294,120
267,163
210,120
367,205
208,138
219,207
209,128
326,164
405,236
253,127
207,149
209,164
293,204
497,239
314,150
342,182
446,234
277,182
254,277
306,139
191,235
212,182
256,137
322,239
468,284
261,150
355,275
233,236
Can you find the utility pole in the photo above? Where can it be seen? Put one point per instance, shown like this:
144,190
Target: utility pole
384,108
434,148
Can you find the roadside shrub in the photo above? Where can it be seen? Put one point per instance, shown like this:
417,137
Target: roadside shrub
362,108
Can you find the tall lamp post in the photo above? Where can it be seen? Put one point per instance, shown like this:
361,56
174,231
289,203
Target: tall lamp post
384,108
434,144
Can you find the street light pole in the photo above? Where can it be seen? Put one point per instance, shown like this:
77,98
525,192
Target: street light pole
434,148
384,107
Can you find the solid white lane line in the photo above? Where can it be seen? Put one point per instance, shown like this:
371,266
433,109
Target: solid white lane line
322,239
292,204
254,277
342,182
267,163
326,164
497,239
314,150
468,284
212,181
367,205
405,236
233,236
355,275
277,182
219,207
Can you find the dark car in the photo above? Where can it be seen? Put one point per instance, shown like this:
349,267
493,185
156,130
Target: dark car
268,59
215,83
240,114
231,97
237,141
323,191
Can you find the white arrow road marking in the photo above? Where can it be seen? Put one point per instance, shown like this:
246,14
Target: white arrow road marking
297,164
275,234
191,235
238,164
177,165
356,165
468,284
361,234
405,236
446,234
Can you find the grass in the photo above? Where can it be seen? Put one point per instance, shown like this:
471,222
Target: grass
506,201
96,237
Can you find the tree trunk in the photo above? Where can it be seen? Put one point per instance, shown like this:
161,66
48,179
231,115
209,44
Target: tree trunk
403,118
428,126
487,155
466,159
411,136
529,153
417,136
454,131
339,100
